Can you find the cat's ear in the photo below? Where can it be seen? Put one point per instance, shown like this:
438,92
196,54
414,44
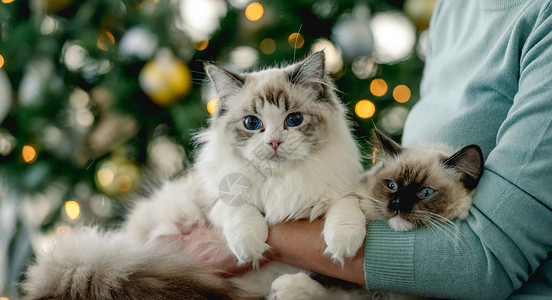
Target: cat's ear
226,83
469,162
310,72
389,147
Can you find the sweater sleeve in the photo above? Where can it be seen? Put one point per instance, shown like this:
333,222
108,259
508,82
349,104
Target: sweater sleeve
508,233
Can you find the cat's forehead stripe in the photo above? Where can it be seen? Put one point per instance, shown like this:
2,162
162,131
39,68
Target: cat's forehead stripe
275,96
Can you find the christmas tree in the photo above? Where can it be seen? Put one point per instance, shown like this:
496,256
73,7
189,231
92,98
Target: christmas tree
98,95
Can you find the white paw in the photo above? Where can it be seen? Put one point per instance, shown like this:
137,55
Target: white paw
247,242
297,287
164,228
344,240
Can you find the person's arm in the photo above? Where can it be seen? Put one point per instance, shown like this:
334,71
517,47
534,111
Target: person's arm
300,243
507,235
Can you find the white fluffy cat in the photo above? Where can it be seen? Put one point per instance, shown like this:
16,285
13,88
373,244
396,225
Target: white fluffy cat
422,185
278,148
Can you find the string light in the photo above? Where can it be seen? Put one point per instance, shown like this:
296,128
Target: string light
29,154
212,105
268,46
378,87
72,209
365,109
401,93
296,40
254,11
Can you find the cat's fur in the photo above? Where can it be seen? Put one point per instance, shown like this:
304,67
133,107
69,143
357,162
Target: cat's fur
290,172
452,176
86,263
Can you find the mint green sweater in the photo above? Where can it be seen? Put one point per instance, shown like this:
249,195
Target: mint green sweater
488,81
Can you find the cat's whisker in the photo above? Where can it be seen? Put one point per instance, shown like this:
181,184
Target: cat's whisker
437,223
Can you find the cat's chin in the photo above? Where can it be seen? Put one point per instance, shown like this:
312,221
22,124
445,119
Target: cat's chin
400,224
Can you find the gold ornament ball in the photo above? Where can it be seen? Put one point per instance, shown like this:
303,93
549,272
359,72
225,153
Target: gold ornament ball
117,175
165,79
419,12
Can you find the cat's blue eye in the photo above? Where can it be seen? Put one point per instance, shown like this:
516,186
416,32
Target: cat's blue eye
294,119
426,192
252,123
392,185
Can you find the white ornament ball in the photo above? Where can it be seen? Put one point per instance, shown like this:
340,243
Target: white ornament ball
139,42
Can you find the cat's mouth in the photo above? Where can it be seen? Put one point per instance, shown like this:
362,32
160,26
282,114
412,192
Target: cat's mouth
400,214
275,157
399,223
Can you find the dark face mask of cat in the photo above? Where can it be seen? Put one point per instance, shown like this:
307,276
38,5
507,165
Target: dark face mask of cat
419,187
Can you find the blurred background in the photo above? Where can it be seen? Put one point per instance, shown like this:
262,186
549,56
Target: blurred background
99,96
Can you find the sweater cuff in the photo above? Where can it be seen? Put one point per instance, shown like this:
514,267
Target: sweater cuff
388,258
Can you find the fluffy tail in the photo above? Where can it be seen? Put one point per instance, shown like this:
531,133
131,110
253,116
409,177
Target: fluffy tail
89,264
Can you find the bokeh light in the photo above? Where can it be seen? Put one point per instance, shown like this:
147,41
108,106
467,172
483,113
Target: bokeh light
200,18
268,46
74,55
401,93
29,154
105,176
49,25
212,105
254,11
138,41
105,40
6,2
117,175
124,183
296,40
244,57
201,45
421,46
394,37
166,155
365,109
101,205
392,119
378,87
238,4
7,142
1,61
364,67
72,209
334,59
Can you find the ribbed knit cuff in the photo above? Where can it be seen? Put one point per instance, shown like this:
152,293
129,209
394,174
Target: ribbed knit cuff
388,258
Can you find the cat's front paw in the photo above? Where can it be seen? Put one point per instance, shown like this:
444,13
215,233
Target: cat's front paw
297,286
248,242
343,240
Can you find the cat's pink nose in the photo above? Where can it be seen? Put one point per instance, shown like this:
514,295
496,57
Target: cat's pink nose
275,144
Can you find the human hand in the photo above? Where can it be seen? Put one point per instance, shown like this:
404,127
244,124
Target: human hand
207,245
